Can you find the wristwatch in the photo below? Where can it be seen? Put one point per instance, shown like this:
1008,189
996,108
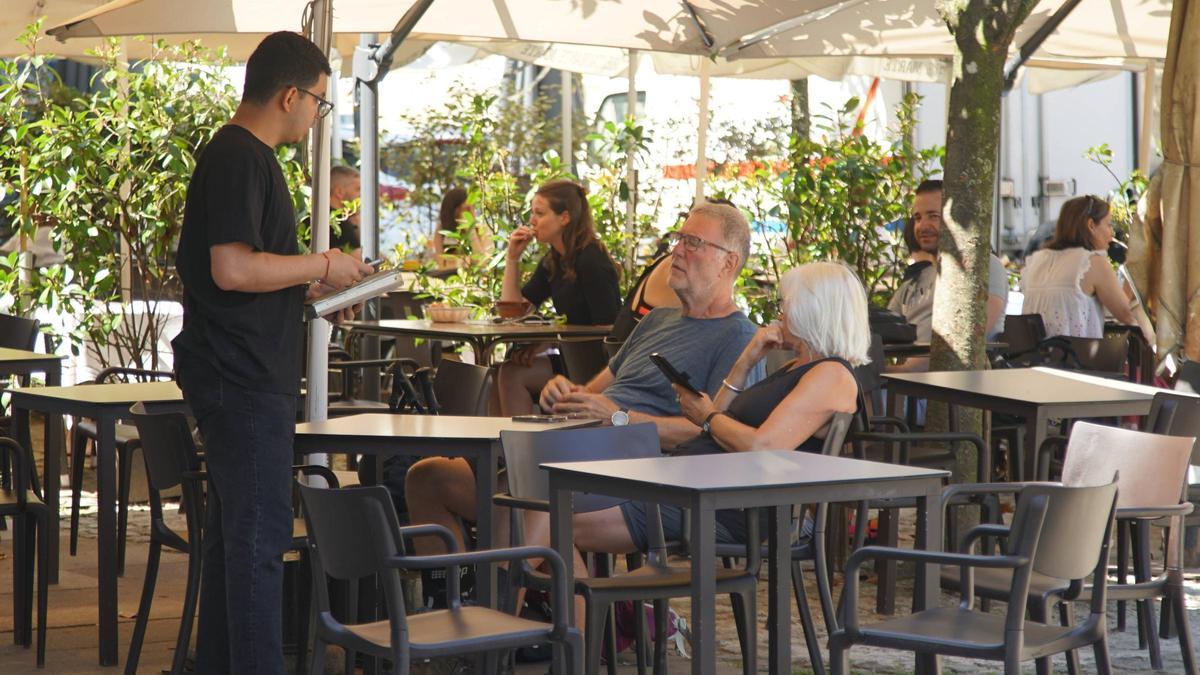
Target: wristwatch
706,426
620,418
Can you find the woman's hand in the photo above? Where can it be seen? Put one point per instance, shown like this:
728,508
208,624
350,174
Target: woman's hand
693,407
518,241
765,339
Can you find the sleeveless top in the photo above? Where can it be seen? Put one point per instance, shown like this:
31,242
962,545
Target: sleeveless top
754,405
1051,283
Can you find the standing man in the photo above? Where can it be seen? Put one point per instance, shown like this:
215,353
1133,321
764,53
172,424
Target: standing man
238,357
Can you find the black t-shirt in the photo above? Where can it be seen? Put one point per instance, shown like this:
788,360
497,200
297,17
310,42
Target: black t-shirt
238,194
347,239
592,299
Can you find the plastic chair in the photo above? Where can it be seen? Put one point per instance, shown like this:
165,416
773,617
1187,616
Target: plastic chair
171,459
20,498
16,332
355,535
657,580
582,359
1057,531
1148,476
812,548
127,441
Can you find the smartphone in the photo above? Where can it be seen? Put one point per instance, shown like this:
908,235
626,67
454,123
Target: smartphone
375,263
542,419
673,375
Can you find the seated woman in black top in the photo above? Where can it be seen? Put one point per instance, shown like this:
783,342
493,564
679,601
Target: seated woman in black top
577,273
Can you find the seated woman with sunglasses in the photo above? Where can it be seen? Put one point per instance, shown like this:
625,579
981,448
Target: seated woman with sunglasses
1070,281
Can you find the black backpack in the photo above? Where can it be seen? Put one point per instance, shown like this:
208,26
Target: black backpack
891,326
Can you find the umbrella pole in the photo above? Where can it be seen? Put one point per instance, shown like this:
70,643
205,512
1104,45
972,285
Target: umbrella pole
630,171
317,395
702,132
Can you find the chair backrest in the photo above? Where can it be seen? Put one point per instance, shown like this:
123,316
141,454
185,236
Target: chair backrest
1174,414
1022,333
1107,354
23,474
462,388
351,533
583,358
1075,529
835,438
17,332
1152,467
870,375
167,446
526,451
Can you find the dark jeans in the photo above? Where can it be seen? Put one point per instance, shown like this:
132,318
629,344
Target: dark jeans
248,454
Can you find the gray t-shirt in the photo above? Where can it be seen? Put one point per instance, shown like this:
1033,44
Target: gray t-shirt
705,349
914,298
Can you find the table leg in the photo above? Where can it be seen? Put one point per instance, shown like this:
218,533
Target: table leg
561,539
779,604
485,489
106,538
20,431
1035,434
53,444
929,538
704,589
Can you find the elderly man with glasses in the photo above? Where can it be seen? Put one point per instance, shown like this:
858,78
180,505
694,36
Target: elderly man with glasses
702,338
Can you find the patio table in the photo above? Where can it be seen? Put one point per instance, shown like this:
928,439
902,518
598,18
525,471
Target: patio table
907,349
105,403
1035,394
483,337
769,479
22,362
475,438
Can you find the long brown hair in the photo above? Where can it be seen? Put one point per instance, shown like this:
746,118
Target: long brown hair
569,197
1072,231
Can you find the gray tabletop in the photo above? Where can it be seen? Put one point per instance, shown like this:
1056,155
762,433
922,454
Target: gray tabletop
775,479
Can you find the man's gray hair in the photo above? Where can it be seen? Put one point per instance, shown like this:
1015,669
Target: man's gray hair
734,229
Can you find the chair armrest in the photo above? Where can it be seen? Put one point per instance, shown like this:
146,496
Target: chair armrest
503,499
317,470
1044,453
888,421
850,606
980,531
361,363
1137,512
558,571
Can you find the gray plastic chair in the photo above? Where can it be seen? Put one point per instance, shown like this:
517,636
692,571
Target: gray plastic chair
354,534
21,498
582,359
657,580
1152,469
1057,531
812,548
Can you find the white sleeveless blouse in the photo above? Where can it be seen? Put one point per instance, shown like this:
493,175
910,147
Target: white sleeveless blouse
1051,284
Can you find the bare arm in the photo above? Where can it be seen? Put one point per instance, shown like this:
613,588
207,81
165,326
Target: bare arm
510,287
826,389
995,310
1108,290
238,267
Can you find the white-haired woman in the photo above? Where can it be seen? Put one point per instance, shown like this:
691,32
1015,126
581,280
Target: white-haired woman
824,322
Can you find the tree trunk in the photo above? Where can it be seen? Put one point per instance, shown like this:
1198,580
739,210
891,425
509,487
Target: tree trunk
983,31
801,120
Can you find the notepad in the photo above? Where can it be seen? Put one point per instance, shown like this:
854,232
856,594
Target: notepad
370,287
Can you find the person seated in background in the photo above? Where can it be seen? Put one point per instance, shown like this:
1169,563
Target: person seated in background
1070,281
703,338
914,298
445,251
345,186
577,273
823,321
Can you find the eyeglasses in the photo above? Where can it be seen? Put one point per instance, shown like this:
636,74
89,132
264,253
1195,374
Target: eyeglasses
323,106
691,242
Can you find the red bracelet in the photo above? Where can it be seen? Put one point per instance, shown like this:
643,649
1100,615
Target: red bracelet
325,255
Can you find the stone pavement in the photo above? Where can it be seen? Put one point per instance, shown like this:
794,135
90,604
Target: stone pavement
72,641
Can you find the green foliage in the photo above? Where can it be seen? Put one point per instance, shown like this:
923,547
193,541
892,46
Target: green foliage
834,195
1123,199
108,172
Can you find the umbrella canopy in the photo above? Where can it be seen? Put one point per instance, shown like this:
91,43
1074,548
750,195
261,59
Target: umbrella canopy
695,27
1171,240
1095,29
